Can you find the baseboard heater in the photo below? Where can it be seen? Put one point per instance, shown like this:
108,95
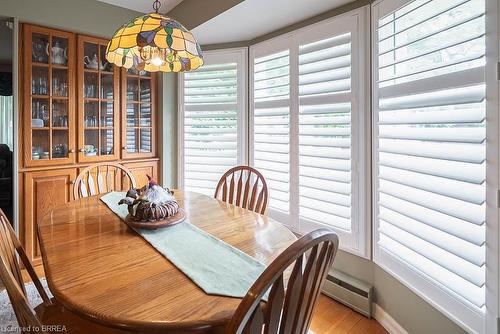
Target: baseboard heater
349,291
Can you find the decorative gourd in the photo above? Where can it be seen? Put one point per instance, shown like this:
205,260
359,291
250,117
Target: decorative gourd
151,202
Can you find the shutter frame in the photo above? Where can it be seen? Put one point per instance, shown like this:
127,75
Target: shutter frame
464,307
203,119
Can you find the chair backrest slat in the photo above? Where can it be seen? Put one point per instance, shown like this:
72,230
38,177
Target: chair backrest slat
290,311
275,306
108,180
90,182
238,189
231,189
245,187
85,185
244,205
293,289
251,206
321,271
83,188
10,275
100,181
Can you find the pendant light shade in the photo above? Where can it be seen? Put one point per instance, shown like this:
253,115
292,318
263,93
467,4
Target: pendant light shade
153,43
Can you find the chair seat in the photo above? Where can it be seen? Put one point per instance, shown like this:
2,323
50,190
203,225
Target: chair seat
56,314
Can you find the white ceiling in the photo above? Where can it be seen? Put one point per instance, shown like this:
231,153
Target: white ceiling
144,6
253,18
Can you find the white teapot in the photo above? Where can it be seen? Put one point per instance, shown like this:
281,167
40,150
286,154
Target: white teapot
94,63
59,54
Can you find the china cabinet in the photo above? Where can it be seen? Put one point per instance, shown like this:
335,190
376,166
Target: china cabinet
48,97
77,110
98,102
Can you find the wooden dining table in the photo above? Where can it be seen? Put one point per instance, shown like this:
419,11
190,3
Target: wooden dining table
100,269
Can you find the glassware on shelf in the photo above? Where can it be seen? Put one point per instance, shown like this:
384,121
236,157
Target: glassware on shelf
59,83
39,49
40,143
91,112
39,113
90,86
107,86
59,114
39,81
91,121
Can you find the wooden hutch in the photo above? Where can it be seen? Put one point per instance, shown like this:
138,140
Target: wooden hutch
77,110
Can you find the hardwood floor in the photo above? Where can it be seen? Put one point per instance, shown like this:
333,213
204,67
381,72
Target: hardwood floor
330,317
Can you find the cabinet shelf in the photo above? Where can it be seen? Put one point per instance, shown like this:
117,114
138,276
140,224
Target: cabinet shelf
37,64
88,70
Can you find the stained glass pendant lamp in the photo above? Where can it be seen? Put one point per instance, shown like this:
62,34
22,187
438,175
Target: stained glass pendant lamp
153,43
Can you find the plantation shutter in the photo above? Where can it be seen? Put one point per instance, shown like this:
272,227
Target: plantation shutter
325,131
213,116
271,125
308,126
430,157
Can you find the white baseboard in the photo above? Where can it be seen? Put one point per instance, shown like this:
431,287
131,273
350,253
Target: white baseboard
387,321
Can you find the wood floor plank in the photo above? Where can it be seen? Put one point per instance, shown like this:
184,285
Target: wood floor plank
331,317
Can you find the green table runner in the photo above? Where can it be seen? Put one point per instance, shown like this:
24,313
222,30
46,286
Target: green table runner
215,266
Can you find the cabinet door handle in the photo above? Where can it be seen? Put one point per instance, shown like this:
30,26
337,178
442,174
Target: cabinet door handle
71,151
124,148
72,182
82,150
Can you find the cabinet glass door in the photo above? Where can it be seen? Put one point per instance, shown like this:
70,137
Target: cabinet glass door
139,118
48,63
98,102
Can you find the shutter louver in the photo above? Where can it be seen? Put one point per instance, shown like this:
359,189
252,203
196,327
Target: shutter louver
431,168
271,125
210,125
325,131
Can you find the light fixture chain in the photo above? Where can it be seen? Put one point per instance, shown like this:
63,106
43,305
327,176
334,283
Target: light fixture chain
156,5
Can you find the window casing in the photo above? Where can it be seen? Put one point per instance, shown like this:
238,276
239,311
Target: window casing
308,128
212,120
429,151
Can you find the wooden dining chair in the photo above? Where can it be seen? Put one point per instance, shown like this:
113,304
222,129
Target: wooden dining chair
44,317
98,179
10,274
245,187
288,310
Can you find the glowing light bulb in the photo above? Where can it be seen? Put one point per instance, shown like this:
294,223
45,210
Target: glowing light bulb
157,61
